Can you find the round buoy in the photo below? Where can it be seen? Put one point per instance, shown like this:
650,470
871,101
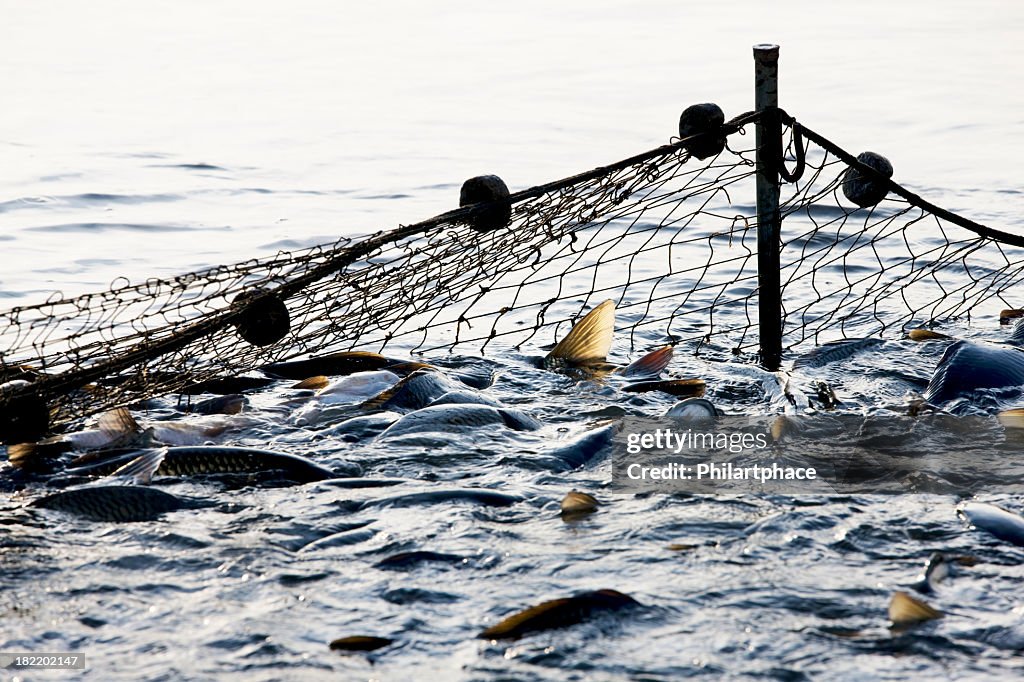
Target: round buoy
24,416
861,189
703,118
263,319
491,191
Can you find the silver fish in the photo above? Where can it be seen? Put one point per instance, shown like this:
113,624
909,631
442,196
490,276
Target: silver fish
966,366
458,418
694,409
1004,525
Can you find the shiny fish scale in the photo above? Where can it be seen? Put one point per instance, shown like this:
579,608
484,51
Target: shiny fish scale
190,461
113,503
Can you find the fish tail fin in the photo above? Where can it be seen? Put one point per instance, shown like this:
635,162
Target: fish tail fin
1012,419
904,610
650,365
590,339
36,458
142,468
20,451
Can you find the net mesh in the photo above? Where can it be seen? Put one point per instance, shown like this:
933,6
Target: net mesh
879,271
670,237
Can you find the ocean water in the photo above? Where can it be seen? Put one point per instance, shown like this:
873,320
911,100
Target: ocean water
159,139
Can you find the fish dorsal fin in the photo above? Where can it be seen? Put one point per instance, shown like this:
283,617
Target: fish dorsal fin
313,383
378,401
590,339
118,422
650,365
142,468
403,368
141,439
904,610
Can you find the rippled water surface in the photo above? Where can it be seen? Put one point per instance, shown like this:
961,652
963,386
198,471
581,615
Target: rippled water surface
159,140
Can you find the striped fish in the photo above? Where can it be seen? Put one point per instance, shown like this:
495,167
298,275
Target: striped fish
834,351
191,461
115,503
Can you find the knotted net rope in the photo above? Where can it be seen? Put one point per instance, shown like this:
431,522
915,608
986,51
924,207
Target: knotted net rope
670,237
903,263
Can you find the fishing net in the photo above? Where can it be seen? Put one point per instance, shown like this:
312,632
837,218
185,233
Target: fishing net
668,235
878,271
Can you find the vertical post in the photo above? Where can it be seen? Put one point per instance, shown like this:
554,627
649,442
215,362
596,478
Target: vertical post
769,222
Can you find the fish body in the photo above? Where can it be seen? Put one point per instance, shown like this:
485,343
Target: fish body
967,366
414,558
465,398
336,364
677,387
413,392
232,403
459,418
114,503
1017,335
357,387
115,430
1004,525
360,643
119,429
193,461
584,448
576,504
482,496
834,351
363,426
693,409
228,385
350,390
558,613
927,335
195,432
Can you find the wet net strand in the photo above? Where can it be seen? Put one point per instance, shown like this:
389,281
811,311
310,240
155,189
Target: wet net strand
671,238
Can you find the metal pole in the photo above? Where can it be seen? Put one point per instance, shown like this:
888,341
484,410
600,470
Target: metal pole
769,222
